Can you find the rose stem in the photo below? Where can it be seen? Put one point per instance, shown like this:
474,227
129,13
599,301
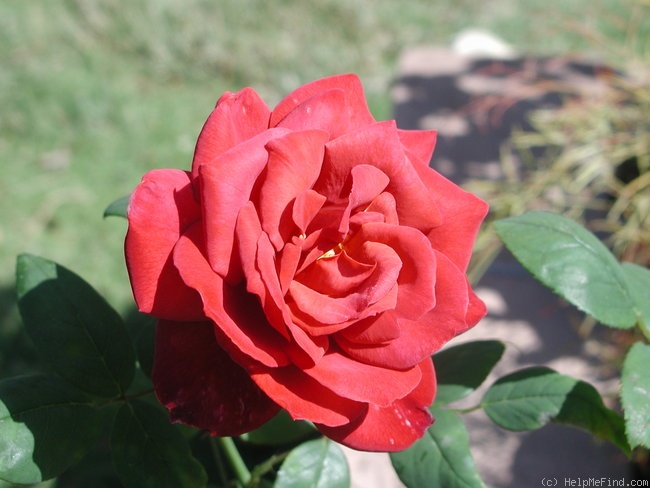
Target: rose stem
236,462
217,453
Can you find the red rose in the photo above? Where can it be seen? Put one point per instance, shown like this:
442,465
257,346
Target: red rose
310,260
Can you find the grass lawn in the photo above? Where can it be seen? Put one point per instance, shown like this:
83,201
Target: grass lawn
95,93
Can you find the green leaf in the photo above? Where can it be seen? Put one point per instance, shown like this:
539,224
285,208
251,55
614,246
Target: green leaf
118,207
73,328
149,452
635,394
638,279
319,463
142,329
532,397
441,458
281,429
46,426
571,261
463,368
584,408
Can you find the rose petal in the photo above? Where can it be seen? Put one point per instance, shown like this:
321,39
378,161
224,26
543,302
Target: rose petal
385,205
337,276
201,386
160,210
379,329
365,217
287,263
306,350
304,398
461,216
324,111
324,309
315,328
394,427
237,117
354,109
363,382
421,338
417,276
305,208
242,330
366,183
258,263
379,145
294,164
388,269
476,310
419,145
337,291
226,185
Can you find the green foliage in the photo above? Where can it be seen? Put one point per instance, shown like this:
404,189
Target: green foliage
49,423
319,463
570,260
574,263
441,458
638,282
73,328
455,379
635,395
530,398
46,426
142,329
118,207
148,451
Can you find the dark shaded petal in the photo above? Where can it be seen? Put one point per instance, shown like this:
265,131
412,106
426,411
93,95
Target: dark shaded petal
201,385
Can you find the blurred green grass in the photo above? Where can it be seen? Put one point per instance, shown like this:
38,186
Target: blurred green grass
93,93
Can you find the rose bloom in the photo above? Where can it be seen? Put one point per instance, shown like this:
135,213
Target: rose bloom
311,260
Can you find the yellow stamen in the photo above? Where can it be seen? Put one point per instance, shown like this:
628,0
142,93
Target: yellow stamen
332,252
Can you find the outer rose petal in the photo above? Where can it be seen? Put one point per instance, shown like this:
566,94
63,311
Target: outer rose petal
201,386
354,108
324,111
476,310
419,145
394,427
306,399
363,382
462,214
160,210
242,327
236,118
